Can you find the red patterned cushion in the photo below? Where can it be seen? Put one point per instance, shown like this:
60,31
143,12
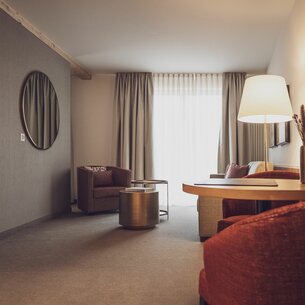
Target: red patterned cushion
102,178
236,171
96,168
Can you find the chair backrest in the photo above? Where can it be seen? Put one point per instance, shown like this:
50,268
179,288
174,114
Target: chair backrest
232,207
275,174
259,260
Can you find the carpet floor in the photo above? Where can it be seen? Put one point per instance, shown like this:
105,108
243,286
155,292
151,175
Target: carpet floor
80,259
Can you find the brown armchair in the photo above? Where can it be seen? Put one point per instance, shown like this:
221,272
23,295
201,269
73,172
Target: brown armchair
257,261
99,190
235,210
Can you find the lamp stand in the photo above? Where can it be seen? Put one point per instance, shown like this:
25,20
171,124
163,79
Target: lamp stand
265,145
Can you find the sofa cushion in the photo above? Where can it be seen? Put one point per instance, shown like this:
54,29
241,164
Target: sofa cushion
102,178
108,191
236,171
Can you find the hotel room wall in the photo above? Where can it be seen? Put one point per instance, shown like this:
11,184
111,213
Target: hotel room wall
288,60
33,183
92,121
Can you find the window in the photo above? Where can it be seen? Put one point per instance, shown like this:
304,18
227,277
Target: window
186,124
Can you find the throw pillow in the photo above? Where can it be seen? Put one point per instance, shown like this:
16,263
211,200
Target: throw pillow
236,171
102,178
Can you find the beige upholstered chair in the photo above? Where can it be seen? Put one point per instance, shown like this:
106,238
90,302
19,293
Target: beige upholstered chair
99,190
210,209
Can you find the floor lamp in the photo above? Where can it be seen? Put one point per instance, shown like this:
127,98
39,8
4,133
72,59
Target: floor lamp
265,100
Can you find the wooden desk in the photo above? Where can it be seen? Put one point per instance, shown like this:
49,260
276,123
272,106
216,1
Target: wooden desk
286,190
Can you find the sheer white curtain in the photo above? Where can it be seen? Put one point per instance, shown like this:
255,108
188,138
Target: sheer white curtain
186,124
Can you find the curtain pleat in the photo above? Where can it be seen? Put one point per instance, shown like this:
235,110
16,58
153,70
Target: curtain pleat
133,120
238,142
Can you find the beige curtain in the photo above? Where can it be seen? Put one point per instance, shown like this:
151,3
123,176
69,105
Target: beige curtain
238,142
133,123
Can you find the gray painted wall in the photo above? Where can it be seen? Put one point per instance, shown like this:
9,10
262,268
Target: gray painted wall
33,183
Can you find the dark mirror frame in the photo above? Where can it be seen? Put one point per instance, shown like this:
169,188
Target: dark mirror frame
39,110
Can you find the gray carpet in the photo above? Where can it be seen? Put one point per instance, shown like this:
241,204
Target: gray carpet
82,259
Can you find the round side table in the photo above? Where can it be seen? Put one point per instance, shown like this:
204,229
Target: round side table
155,182
138,210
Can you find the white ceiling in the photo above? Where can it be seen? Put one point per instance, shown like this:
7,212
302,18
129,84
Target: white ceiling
162,35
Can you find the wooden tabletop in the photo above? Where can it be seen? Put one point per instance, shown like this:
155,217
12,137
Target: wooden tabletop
286,190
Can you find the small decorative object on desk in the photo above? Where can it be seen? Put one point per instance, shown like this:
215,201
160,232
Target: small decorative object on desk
138,189
300,122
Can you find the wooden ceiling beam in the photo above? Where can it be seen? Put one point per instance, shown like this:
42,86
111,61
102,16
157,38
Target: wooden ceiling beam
76,68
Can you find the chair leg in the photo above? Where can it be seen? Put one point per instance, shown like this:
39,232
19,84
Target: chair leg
202,301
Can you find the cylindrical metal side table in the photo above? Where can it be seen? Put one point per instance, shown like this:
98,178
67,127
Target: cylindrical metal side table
155,182
139,210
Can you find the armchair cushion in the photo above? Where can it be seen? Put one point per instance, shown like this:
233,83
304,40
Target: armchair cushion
107,191
102,178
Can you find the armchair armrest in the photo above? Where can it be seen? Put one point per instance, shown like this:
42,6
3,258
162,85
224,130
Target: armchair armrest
227,264
217,176
84,186
121,176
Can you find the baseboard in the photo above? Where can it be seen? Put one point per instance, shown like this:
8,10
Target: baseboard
14,230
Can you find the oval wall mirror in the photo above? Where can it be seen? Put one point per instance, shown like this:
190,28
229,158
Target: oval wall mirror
40,110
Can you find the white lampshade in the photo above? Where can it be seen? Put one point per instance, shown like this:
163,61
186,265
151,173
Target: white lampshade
265,99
